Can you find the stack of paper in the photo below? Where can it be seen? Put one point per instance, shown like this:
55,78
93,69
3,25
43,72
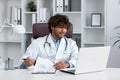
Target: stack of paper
43,66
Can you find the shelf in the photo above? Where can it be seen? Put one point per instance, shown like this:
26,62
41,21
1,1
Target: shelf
28,32
93,43
76,32
5,27
72,12
10,41
30,12
93,36
89,27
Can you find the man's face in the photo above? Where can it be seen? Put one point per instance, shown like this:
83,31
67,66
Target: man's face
58,32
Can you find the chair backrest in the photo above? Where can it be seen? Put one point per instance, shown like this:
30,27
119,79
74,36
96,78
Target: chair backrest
41,29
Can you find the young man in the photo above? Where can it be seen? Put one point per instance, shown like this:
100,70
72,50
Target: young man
55,46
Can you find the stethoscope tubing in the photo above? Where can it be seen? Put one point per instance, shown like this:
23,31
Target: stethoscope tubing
46,42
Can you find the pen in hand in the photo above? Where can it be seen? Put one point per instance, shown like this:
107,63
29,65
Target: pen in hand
24,58
28,61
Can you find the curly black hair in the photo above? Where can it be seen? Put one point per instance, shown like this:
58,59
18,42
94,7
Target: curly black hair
58,20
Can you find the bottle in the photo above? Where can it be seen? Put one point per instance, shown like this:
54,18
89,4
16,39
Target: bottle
6,65
9,64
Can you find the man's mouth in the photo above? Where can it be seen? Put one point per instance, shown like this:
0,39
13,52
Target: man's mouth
62,34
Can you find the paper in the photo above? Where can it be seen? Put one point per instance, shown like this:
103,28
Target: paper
43,66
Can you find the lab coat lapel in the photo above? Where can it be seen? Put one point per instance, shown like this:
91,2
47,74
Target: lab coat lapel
51,43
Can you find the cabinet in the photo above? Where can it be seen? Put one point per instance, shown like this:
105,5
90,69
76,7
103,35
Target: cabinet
10,43
93,36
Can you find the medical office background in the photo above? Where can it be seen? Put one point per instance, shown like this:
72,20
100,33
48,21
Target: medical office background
13,45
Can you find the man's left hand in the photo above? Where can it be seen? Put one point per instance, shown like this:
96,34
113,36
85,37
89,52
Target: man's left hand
61,65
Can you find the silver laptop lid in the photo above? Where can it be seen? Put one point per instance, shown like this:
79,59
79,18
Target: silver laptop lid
92,59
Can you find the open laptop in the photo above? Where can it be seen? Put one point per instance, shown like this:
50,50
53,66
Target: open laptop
90,59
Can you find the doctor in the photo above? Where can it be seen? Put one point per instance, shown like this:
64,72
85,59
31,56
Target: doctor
55,46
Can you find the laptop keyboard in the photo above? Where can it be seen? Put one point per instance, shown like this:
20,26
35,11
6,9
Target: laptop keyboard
72,71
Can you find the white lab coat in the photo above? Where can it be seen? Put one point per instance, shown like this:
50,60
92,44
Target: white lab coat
37,48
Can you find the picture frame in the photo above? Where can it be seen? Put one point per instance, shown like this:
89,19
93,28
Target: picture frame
96,19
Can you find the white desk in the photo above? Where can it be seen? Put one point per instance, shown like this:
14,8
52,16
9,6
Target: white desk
108,74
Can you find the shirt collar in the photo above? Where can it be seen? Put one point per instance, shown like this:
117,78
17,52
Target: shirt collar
53,39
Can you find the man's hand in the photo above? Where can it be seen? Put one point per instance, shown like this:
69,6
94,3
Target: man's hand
61,65
29,62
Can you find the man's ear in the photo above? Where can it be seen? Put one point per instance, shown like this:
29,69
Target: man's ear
52,28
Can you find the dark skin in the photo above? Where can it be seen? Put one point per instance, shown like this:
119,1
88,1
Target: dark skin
57,33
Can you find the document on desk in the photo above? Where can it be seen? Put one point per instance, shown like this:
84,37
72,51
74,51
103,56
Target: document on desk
43,66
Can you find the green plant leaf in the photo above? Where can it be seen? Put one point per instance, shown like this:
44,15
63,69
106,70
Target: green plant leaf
31,6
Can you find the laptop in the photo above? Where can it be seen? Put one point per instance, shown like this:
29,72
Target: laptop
90,59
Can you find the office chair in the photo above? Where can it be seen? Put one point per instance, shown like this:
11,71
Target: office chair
41,29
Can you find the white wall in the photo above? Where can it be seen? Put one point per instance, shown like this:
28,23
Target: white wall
113,20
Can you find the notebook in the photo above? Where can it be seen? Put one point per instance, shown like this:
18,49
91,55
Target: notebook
43,66
90,59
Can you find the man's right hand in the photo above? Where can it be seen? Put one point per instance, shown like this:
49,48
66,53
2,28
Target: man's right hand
29,62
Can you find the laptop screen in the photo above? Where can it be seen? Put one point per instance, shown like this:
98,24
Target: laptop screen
92,59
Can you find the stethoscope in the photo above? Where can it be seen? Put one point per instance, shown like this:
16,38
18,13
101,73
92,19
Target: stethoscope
49,44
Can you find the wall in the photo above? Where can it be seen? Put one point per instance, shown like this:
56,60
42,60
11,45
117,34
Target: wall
113,20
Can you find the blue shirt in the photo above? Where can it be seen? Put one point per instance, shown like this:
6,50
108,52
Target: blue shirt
56,43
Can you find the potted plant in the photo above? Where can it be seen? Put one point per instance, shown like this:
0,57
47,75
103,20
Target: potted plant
117,36
31,6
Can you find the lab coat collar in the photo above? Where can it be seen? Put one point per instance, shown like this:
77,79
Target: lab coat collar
50,41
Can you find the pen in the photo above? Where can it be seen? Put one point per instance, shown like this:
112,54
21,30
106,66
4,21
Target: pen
24,59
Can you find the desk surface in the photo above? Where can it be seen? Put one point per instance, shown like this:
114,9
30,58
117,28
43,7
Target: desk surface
18,74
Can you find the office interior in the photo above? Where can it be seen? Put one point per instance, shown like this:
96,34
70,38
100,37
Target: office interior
16,12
